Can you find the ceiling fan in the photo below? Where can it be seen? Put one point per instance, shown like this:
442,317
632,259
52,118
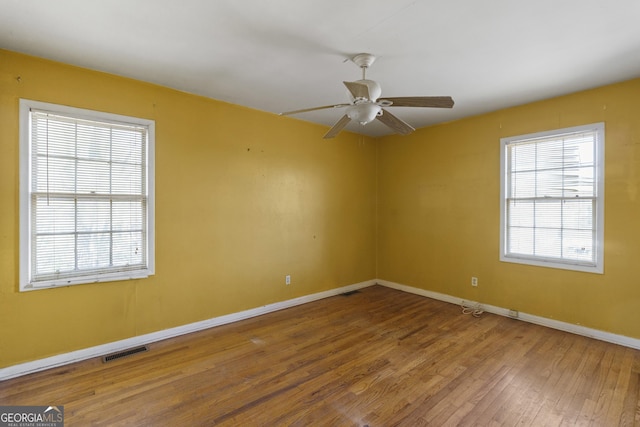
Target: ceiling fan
366,104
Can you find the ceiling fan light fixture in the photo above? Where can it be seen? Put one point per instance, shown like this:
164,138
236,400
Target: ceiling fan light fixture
364,113
366,105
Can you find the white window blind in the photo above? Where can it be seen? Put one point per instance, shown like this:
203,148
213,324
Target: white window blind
552,198
89,199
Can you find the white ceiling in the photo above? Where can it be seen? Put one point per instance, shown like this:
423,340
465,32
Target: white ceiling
280,55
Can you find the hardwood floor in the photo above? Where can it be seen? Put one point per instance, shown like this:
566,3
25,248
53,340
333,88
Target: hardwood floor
379,357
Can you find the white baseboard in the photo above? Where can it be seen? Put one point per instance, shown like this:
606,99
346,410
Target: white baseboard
113,347
543,321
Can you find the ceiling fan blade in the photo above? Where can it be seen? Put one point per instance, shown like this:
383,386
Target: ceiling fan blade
340,124
358,90
395,123
304,110
420,101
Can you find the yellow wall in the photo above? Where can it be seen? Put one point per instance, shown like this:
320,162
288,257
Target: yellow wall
242,199
439,212
245,197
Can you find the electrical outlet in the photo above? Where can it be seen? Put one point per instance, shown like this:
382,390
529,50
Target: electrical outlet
287,279
474,281
514,314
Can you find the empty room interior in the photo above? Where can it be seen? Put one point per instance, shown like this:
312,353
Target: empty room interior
441,229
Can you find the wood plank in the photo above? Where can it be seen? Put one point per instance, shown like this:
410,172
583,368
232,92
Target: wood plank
377,357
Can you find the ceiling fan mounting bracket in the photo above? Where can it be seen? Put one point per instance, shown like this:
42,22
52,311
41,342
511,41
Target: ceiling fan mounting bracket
364,60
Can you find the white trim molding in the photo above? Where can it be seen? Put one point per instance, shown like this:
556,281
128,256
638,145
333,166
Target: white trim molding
114,347
530,318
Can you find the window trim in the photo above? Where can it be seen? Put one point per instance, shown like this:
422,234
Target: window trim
25,170
598,268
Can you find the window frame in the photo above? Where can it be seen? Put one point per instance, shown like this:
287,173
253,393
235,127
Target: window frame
598,239
26,218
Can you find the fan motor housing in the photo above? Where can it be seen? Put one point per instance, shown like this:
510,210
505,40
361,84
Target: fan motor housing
374,88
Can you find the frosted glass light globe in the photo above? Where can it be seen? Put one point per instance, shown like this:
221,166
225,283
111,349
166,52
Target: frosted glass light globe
363,113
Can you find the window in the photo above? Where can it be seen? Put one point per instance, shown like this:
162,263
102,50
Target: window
552,198
86,196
